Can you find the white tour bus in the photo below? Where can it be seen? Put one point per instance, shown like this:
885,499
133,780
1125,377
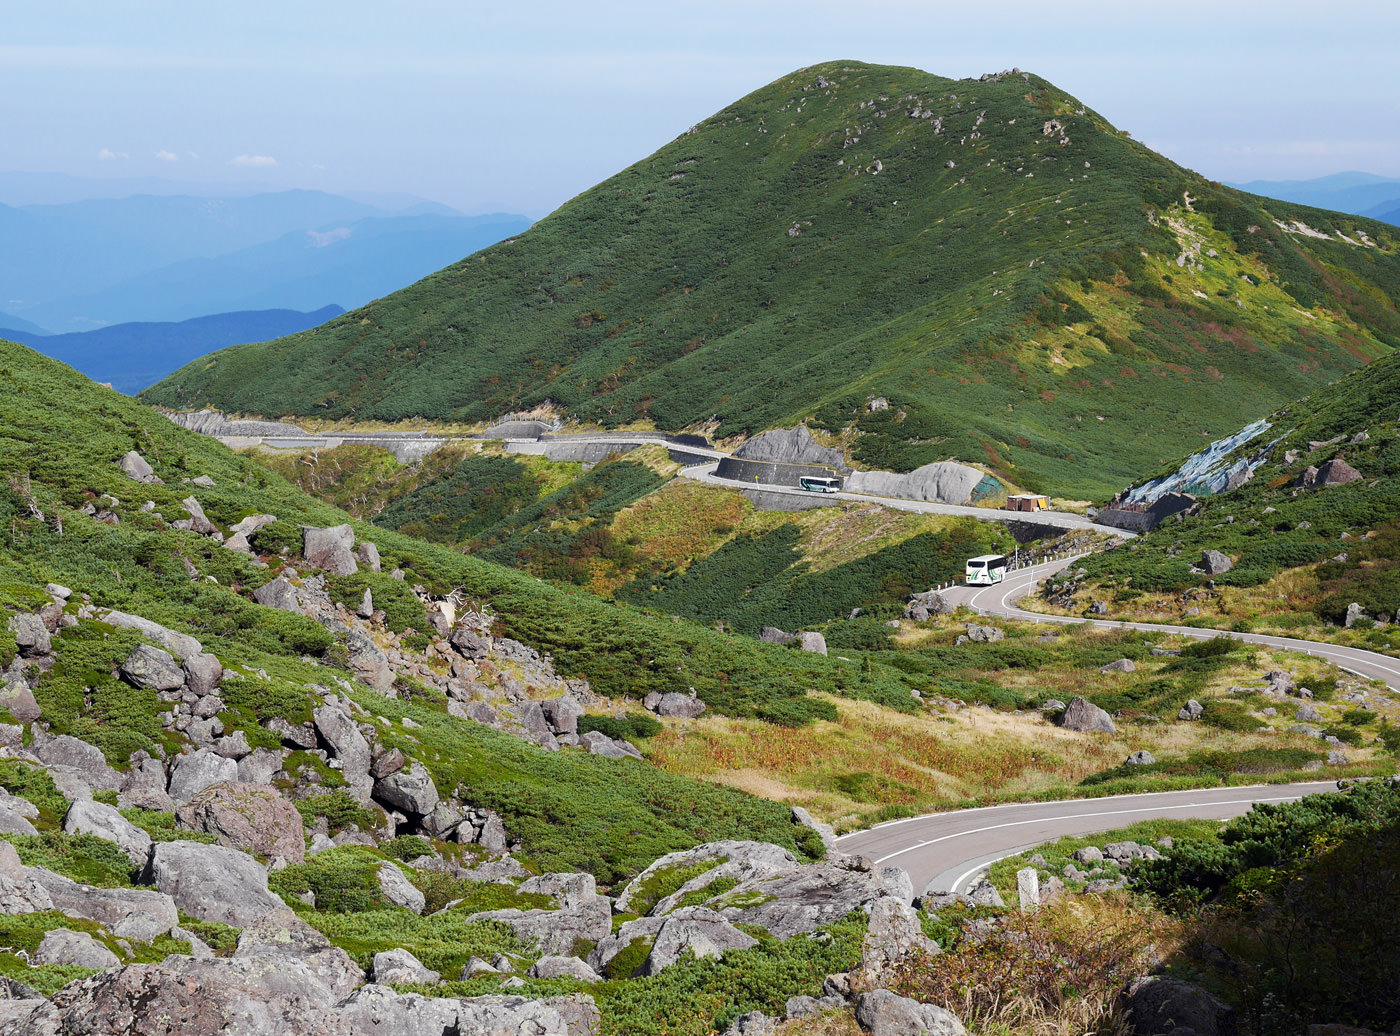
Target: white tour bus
817,484
987,569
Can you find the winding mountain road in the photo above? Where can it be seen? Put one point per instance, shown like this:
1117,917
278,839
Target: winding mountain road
949,850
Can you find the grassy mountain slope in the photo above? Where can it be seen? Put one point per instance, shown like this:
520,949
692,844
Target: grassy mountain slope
1301,556
1029,288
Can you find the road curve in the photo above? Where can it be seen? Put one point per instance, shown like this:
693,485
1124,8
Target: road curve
1001,600
1056,519
948,850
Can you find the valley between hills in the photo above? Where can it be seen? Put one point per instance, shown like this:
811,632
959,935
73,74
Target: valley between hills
492,658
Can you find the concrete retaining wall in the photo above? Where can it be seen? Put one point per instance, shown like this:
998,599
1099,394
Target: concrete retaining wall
772,473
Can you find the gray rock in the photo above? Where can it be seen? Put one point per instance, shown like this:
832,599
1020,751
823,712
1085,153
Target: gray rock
882,1013
562,714
1162,1006
11,823
281,934
19,700
1307,713
984,893
181,645
199,522
250,817
1088,855
151,667
943,482
251,524
684,706
773,635
303,736
192,772
493,834
813,642
791,446
95,818
137,469
756,1023
62,946
397,889
1121,851
278,593
598,743
471,645
368,662
1214,563
31,635
70,783
20,892
368,555
138,914
1084,716
564,967
1336,757
330,549
1142,757
1053,705
342,736
1354,612
1191,711
203,673
696,930
984,634
411,790
804,898
894,935
401,968
212,882
85,759
582,913
896,883
1123,665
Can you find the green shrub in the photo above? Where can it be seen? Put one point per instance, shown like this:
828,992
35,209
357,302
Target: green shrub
632,726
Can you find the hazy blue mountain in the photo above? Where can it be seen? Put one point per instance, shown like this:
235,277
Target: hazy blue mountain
1357,193
132,356
13,323
58,251
346,263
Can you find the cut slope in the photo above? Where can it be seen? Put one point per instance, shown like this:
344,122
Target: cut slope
1025,285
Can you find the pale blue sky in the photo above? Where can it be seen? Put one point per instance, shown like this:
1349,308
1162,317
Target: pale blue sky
520,106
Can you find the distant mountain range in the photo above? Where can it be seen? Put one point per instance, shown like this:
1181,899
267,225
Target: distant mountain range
133,356
1362,194
100,261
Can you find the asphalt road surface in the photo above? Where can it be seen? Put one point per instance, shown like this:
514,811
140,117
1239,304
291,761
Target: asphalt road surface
949,851
1000,599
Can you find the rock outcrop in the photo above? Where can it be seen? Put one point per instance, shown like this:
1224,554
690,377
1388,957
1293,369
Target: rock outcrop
943,482
791,446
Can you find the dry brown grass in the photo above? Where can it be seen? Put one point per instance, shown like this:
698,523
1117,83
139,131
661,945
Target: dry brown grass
1058,972
833,1023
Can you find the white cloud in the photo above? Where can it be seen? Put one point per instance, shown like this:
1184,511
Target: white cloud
108,155
167,156
253,160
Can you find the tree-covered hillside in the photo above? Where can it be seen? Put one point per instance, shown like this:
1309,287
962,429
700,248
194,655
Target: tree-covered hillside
1026,285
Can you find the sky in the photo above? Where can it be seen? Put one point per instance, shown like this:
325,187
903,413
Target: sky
519,106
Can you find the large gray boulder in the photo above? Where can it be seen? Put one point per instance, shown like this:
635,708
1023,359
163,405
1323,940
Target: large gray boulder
1084,716
375,1009
251,817
137,469
181,645
139,914
803,899
103,821
882,1013
199,522
31,635
280,933
411,790
397,889
943,482
674,704
598,743
562,714
826,832
694,930
812,642
400,967
278,593
1160,1006
564,967
12,823
330,549
192,772
151,667
342,736
790,446
212,882
893,935
84,759
20,893
581,914
203,673
1214,563
62,946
